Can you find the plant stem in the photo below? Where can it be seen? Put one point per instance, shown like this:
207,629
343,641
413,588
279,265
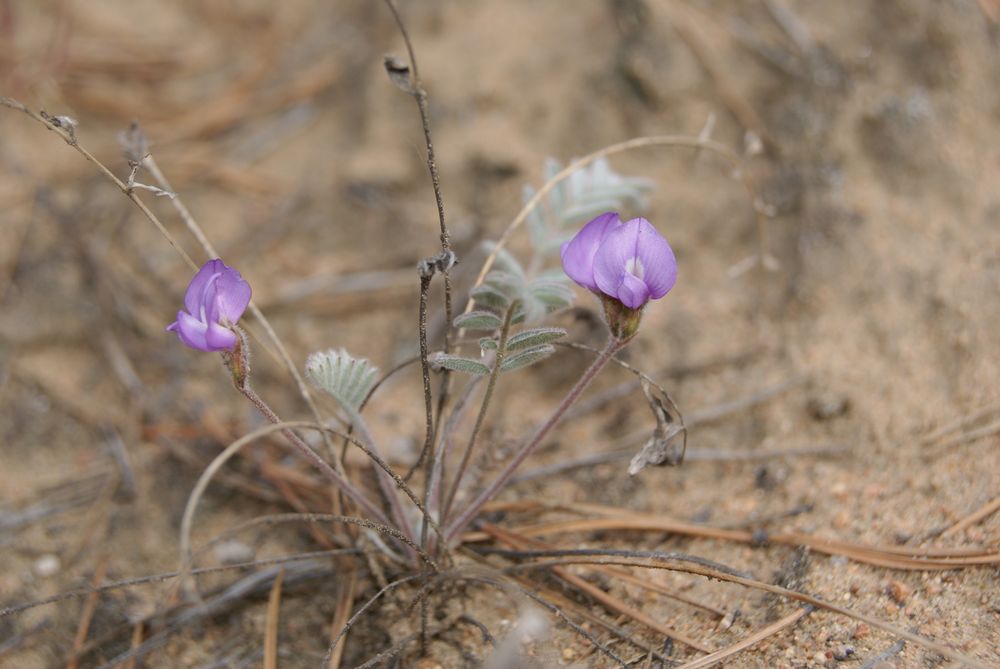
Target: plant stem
612,347
491,385
385,479
341,482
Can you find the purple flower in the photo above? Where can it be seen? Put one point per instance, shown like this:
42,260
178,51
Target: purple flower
215,299
578,253
635,264
630,262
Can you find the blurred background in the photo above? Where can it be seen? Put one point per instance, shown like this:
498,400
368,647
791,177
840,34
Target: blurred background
871,131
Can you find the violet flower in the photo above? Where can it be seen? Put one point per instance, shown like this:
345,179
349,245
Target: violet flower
215,299
625,264
578,253
635,264
630,262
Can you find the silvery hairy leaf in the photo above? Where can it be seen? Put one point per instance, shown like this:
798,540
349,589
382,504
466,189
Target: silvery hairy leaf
528,356
490,296
478,320
346,378
460,364
533,337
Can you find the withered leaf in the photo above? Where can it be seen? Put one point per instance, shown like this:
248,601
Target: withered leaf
664,447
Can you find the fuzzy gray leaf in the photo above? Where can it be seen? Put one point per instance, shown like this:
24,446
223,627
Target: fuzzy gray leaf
534,337
459,364
505,260
488,344
506,282
528,356
478,320
345,378
490,296
554,294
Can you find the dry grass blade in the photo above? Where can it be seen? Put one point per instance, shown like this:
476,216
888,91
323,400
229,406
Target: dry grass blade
960,423
795,595
271,626
137,630
971,435
88,611
231,450
364,607
652,586
166,576
611,602
340,617
976,516
907,558
755,638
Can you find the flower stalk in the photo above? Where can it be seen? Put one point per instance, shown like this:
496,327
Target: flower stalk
483,408
472,510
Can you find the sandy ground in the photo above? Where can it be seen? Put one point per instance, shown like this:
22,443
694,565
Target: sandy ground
880,155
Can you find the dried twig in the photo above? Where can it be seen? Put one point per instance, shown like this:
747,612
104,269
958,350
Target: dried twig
89,606
795,595
755,638
976,516
345,602
897,557
271,623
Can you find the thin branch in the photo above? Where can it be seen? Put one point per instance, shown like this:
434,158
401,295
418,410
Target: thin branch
723,653
192,225
483,408
166,576
69,136
498,483
420,95
232,449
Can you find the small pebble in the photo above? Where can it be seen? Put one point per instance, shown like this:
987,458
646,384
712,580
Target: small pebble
47,565
898,590
427,663
234,551
861,631
843,653
827,405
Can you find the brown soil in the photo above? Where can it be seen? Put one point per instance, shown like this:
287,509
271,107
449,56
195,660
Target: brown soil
276,124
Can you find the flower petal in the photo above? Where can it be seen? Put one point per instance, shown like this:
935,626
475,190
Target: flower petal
219,338
195,289
233,294
191,331
612,258
633,292
635,252
657,259
578,253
